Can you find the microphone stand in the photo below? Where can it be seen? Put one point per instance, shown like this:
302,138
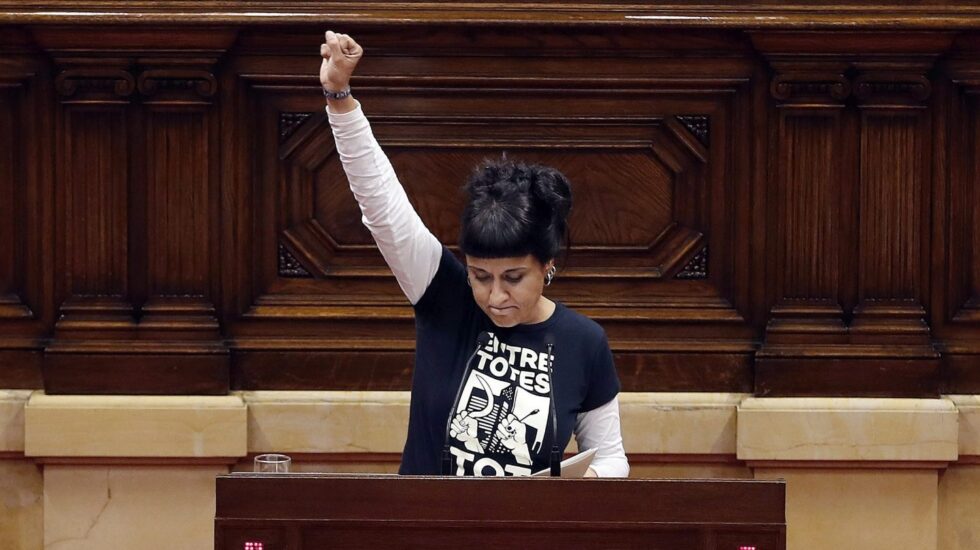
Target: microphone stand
555,460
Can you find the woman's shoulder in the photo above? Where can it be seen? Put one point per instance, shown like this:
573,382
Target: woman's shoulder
448,286
578,325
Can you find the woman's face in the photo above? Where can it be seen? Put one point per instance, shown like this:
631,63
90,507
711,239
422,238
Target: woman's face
509,290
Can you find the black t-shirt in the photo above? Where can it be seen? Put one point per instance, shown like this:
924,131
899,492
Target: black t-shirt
504,406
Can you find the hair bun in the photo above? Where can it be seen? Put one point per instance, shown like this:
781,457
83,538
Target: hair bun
515,208
552,188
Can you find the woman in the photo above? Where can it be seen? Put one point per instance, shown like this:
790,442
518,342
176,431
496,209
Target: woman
487,339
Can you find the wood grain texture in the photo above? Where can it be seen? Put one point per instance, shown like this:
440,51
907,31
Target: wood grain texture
859,213
139,221
10,162
25,182
95,206
406,512
770,14
775,207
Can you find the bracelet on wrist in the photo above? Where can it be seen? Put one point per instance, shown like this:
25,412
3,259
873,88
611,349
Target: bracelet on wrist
336,95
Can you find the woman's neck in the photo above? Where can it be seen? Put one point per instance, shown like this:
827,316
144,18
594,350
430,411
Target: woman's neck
543,311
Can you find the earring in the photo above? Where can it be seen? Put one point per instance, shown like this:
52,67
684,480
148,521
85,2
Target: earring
550,275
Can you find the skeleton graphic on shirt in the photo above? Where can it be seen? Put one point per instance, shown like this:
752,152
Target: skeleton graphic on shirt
500,421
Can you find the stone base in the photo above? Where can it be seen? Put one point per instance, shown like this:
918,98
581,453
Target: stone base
145,507
138,472
834,509
21,505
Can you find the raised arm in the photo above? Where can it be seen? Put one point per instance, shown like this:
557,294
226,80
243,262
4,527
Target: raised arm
411,250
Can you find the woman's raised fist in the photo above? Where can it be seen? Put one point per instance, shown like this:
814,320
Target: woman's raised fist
340,55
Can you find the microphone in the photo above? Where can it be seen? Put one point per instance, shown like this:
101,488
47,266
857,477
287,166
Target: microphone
447,460
555,460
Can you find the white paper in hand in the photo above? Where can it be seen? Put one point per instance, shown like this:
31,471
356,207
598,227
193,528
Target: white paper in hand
572,467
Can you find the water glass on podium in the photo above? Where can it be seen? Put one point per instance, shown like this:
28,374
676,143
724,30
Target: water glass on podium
272,463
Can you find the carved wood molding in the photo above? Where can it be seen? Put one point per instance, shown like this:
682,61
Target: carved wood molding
677,149
697,267
699,125
112,85
793,85
869,85
178,82
289,266
797,15
289,122
122,84
866,87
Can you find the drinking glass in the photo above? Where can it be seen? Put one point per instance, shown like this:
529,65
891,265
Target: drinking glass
272,463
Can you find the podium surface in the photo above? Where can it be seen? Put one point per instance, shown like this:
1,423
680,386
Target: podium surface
343,511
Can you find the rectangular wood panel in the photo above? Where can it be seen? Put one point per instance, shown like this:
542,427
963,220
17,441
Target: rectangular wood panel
94,178
178,203
10,176
807,204
891,205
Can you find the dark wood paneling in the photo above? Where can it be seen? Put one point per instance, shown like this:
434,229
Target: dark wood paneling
411,512
646,142
24,182
138,215
851,241
780,210
144,372
955,288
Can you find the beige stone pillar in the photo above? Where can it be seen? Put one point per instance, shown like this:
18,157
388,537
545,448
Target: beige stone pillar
132,471
21,486
959,485
860,473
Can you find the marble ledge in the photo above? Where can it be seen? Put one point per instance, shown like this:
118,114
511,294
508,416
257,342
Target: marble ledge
326,421
679,423
134,426
318,422
893,431
322,422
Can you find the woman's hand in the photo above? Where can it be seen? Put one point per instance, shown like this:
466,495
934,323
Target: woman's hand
340,55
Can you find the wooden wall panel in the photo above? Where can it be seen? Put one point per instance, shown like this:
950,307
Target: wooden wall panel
138,216
858,214
956,286
759,207
95,180
8,178
177,233
23,181
808,198
890,211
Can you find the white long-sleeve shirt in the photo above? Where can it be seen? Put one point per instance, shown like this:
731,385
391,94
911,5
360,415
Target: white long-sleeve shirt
413,253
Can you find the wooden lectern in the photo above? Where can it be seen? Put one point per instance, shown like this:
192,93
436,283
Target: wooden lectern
342,511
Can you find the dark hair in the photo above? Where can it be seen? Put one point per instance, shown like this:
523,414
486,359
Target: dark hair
515,209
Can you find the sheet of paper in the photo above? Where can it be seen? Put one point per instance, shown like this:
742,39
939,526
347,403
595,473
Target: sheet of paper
575,466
